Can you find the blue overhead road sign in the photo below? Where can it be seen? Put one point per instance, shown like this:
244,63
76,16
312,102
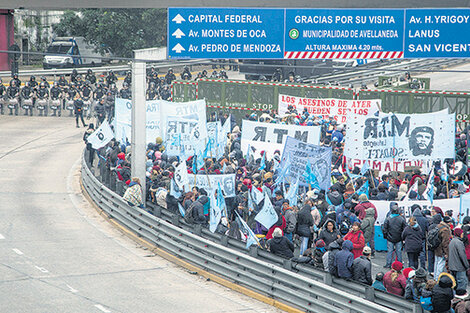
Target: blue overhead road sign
348,33
225,33
254,33
442,33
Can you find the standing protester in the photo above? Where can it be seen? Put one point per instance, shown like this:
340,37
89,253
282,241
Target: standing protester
304,225
458,263
441,253
392,229
344,260
356,236
413,237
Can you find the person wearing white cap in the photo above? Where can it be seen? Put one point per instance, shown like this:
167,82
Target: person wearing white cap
362,267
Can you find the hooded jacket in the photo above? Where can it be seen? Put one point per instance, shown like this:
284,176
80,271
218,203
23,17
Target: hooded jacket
442,293
281,246
358,241
393,228
291,220
367,225
335,197
198,210
413,238
457,258
327,236
304,222
133,194
361,208
333,249
422,221
444,235
344,260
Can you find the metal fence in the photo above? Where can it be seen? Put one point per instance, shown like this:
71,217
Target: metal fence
299,285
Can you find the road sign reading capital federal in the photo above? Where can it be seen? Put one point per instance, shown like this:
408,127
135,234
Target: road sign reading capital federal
255,33
217,32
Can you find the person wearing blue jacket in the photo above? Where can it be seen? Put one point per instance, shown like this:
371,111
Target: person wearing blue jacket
344,260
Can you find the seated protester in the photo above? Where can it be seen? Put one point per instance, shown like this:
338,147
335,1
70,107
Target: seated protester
329,256
409,275
305,258
394,280
356,236
362,267
419,283
133,194
344,260
318,254
442,293
280,245
235,232
329,233
461,301
378,283
426,295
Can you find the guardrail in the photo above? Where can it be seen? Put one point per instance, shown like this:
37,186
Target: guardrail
301,286
98,69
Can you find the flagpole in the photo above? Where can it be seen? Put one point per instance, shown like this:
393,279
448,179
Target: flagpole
371,176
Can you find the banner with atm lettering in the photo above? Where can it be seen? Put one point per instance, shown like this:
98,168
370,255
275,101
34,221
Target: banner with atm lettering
271,137
337,108
391,136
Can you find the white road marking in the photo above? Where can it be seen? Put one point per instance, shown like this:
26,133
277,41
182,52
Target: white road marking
72,289
1,237
102,308
42,269
18,251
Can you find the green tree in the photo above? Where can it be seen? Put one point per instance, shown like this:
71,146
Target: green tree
120,30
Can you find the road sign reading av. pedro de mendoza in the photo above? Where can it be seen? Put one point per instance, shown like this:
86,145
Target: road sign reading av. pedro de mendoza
253,33
225,33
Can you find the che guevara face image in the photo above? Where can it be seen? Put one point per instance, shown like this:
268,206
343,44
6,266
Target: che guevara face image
422,140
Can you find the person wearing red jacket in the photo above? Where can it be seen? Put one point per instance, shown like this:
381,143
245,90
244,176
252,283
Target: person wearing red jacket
363,205
356,236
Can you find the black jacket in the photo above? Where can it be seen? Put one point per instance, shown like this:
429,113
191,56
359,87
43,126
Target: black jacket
393,228
442,295
281,246
361,269
422,221
413,238
328,237
198,210
304,222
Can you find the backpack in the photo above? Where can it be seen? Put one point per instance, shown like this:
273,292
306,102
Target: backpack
345,225
189,214
433,238
426,303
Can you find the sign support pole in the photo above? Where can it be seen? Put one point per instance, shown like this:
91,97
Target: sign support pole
138,127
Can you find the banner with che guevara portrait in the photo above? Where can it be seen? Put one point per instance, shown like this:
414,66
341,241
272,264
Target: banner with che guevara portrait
391,136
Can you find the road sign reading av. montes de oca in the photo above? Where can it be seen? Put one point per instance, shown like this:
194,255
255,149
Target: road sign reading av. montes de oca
254,33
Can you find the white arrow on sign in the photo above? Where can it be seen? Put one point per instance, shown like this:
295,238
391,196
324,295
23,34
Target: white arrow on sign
178,33
178,19
178,48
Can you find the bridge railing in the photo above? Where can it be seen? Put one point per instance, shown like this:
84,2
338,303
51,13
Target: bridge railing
298,285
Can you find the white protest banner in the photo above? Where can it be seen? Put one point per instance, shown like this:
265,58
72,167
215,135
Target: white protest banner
405,136
271,137
101,136
123,119
338,108
181,175
227,183
193,110
179,136
383,207
299,154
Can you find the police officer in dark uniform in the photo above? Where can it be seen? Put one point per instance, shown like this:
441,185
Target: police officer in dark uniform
3,93
13,92
125,92
170,76
111,78
90,76
78,110
128,78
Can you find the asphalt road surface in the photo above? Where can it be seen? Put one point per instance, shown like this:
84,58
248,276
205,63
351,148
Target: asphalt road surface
57,254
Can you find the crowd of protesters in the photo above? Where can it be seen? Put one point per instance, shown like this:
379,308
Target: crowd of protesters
331,230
